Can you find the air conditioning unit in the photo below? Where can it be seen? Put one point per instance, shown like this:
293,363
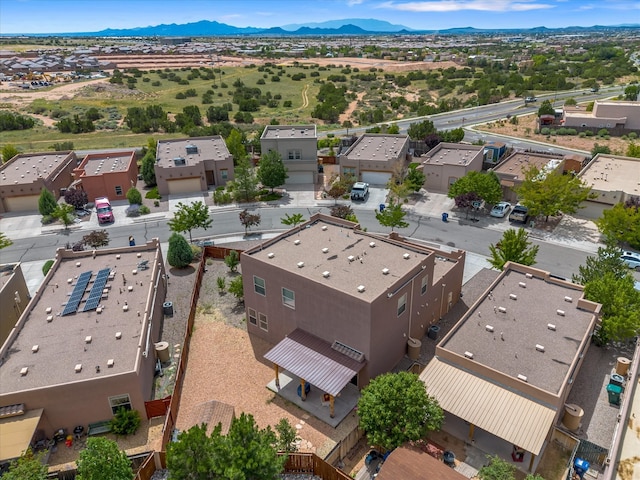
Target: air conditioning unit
300,264
385,271
489,328
468,355
326,274
361,288
406,256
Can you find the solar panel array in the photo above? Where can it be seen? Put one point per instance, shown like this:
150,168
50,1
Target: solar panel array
78,292
96,291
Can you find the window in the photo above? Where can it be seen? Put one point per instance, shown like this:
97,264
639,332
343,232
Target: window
118,190
294,155
259,286
224,174
264,324
402,304
425,283
253,318
349,171
289,298
118,402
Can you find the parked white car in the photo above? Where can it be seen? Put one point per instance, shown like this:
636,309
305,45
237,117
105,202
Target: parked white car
631,260
500,209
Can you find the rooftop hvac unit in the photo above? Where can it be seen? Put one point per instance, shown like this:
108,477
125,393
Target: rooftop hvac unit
385,271
361,288
326,274
502,309
522,284
489,328
296,242
271,254
78,368
372,244
513,296
110,363
300,264
551,326
528,275
468,355
540,348
351,258
560,312
568,299
35,348
324,227
24,371
522,377
325,250
406,256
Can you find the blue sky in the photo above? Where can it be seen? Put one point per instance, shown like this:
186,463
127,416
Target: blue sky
59,16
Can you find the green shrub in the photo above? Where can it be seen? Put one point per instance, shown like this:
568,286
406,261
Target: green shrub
153,193
47,219
588,133
46,267
125,422
222,283
545,131
603,132
633,135
156,203
197,252
144,210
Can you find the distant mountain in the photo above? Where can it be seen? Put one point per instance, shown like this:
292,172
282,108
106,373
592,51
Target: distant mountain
203,28
368,24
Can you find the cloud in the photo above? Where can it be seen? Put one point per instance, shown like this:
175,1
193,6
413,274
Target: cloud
457,5
353,3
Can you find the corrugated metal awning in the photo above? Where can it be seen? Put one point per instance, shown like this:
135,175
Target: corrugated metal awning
313,360
16,433
501,412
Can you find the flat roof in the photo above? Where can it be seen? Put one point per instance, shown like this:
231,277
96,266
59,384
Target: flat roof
451,154
28,168
365,268
516,164
289,131
508,340
613,173
379,147
411,463
99,163
192,150
62,340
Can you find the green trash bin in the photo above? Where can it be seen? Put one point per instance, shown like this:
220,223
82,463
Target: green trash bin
614,392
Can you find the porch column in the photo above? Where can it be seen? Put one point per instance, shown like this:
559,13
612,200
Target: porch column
533,457
332,412
275,367
303,394
472,428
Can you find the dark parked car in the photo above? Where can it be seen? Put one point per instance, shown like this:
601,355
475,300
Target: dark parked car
520,213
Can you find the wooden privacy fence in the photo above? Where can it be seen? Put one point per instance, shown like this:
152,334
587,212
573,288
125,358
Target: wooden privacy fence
157,408
310,463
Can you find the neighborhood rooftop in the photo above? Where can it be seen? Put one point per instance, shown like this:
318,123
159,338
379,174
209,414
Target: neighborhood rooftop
525,325
98,164
608,172
191,150
376,147
51,345
451,154
519,162
28,168
289,131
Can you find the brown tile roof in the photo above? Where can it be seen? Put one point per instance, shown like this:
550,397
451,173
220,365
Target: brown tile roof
409,463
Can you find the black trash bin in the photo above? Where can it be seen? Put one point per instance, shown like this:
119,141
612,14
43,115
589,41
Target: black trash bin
168,308
433,332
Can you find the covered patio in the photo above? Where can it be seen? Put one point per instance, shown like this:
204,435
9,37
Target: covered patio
17,431
316,376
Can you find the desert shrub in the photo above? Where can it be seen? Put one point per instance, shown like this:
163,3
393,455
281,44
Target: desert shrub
153,193
222,283
144,210
46,267
125,422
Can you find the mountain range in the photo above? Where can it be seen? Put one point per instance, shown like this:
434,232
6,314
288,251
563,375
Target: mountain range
350,26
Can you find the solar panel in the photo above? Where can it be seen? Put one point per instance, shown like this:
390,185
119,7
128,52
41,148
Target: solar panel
78,292
96,290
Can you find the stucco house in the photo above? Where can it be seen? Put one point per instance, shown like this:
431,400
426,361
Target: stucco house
447,162
14,297
108,175
24,176
298,148
192,165
374,158
620,116
84,346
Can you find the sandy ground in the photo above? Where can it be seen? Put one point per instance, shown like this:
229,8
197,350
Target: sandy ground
21,98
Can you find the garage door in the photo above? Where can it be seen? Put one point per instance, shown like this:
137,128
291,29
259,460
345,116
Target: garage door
592,210
22,204
184,185
296,178
376,178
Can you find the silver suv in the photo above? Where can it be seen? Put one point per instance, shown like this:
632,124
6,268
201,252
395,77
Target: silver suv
359,191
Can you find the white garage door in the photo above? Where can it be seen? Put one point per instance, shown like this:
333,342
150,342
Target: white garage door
186,185
22,204
296,178
376,178
592,210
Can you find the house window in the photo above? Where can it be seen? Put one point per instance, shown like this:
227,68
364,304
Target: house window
349,171
253,318
264,324
425,283
118,402
289,298
118,191
294,155
402,304
259,285
224,174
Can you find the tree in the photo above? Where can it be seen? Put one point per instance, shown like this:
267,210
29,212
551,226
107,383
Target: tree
497,469
620,306
467,200
235,143
621,224
191,456
393,129
102,460
395,408
76,197
246,181
4,241
338,186
548,193
236,288
633,150
190,216
232,260
147,168
392,216
341,211
292,220
546,108
271,170
249,220
419,131
134,196
28,467
631,92
415,179
64,213
485,185
47,202
179,254
607,261
287,436
97,238
8,152
513,247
